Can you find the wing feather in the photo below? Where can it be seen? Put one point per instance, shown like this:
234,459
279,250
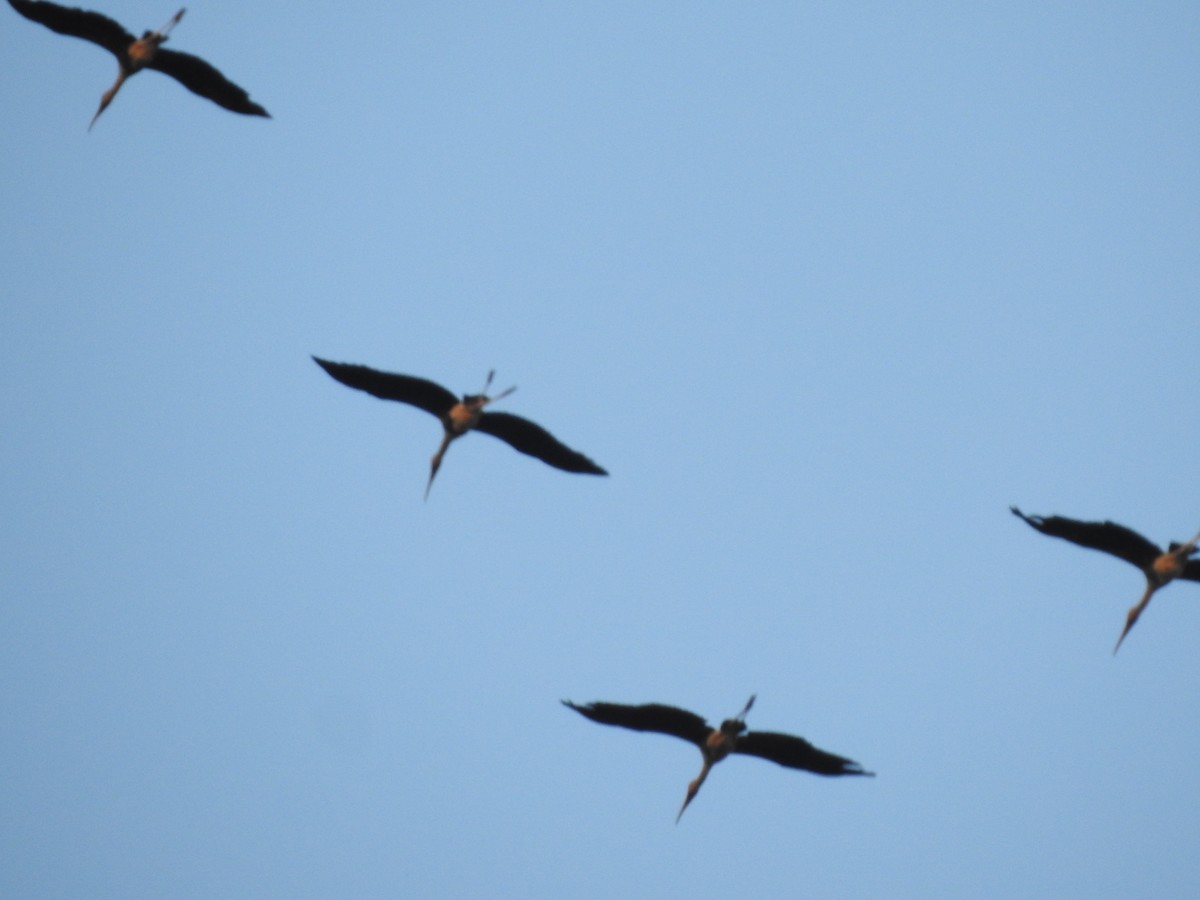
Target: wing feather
418,392
1107,537
795,753
74,22
204,79
532,439
655,717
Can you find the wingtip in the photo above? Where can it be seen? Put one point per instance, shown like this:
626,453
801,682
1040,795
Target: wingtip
1032,521
587,466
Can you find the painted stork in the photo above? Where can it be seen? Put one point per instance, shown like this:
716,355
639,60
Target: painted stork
134,54
717,743
460,416
1124,543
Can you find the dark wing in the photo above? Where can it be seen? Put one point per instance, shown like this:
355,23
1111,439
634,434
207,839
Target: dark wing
648,717
1107,537
80,23
201,78
1191,572
795,753
433,398
523,435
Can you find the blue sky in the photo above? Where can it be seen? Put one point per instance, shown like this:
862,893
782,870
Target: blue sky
825,287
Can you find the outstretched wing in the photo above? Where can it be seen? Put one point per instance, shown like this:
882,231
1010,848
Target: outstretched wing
1191,572
201,78
80,23
795,753
1107,537
648,717
426,395
523,435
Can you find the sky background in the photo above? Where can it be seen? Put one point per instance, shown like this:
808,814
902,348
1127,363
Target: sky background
826,287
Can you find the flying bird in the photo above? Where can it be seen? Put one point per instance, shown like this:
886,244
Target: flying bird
460,416
134,54
717,743
1108,537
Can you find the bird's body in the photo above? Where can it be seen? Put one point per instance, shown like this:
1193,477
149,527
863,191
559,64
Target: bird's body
1158,566
464,416
460,416
133,58
715,744
134,54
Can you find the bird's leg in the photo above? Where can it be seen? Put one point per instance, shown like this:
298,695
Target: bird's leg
749,703
1191,546
436,462
487,384
165,30
108,95
693,789
1135,612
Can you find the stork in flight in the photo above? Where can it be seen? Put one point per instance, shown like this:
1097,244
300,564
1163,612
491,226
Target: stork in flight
717,743
134,54
460,416
1108,537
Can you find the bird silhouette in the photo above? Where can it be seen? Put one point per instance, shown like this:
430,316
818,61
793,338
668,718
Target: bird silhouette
717,743
1159,567
460,416
134,54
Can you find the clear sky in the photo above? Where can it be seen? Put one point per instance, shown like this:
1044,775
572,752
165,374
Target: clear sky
825,287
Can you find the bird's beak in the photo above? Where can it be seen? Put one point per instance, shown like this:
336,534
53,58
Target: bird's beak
433,470
693,789
1132,618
